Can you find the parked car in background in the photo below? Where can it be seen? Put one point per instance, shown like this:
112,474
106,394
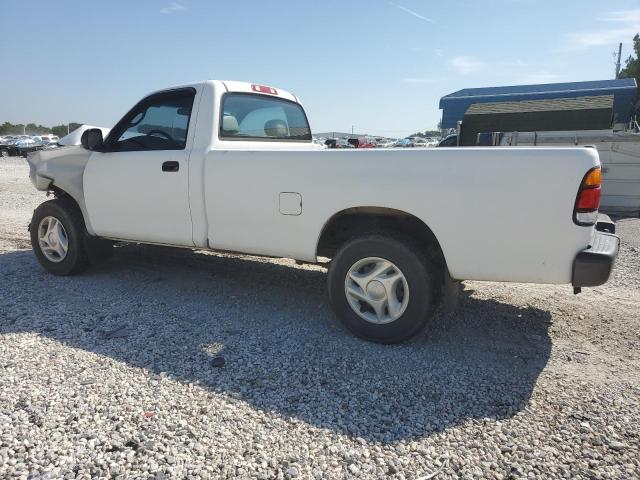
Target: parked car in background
26,145
338,143
22,145
449,141
387,143
405,143
50,138
419,142
29,145
9,148
362,142
320,141
4,141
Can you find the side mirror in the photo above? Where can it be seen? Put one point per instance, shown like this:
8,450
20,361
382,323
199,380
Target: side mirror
92,139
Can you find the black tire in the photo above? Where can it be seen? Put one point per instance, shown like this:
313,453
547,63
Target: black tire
4,152
67,212
423,280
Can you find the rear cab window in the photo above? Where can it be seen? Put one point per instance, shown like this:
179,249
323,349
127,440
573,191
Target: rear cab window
249,116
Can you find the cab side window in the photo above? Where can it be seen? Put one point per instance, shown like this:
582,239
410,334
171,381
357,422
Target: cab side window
159,122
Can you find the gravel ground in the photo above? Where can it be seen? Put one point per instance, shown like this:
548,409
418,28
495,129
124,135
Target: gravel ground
169,363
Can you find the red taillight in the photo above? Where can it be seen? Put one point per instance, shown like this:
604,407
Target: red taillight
585,211
589,199
263,89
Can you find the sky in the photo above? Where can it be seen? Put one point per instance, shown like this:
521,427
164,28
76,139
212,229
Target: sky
377,66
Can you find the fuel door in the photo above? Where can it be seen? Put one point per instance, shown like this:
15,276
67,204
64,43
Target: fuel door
290,203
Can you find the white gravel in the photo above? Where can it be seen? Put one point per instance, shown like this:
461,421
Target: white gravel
176,364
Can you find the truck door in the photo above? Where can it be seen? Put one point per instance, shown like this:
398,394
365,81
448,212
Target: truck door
137,188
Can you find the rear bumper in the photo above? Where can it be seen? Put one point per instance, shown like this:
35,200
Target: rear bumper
605,224
593,265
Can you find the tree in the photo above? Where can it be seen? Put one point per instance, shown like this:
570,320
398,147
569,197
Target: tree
8,128
632,66
5,128
59,130
33,129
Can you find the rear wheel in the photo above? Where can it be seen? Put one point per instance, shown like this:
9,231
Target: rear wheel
382,288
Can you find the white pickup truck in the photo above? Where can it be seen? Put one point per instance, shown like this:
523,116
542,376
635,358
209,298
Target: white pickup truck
231,166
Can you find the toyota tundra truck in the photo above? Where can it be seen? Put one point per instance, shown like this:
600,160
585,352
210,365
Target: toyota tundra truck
231,166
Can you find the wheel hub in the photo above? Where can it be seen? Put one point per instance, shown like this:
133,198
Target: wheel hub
52,239
376,290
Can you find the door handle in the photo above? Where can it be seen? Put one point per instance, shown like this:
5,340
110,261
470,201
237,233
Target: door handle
171,166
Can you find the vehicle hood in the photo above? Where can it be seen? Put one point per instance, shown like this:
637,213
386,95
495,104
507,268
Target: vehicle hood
62,167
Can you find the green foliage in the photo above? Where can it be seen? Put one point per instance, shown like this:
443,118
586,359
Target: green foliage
59,130
8,128
632,66
33,129
427,134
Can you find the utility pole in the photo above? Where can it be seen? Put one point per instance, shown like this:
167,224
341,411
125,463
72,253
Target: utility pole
618,64
351,130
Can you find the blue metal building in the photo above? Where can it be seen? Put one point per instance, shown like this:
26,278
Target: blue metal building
624,91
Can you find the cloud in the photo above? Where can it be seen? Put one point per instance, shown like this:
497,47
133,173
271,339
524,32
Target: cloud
599,38
518,64
623,25
466,65
542,76
623,16
522,72
438,52
419,80
411,12
173,8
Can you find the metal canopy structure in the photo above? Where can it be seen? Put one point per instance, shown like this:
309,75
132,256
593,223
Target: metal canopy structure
624,92
580,113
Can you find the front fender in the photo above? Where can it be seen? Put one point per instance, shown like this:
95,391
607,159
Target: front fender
62,168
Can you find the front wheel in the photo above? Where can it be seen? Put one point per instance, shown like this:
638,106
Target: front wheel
383,289
58,237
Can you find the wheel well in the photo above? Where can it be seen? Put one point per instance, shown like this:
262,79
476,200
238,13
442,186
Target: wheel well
58,193
353,222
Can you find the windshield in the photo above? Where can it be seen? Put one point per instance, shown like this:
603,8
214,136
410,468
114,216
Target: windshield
260,117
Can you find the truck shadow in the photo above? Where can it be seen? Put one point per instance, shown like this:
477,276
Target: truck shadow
171,311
